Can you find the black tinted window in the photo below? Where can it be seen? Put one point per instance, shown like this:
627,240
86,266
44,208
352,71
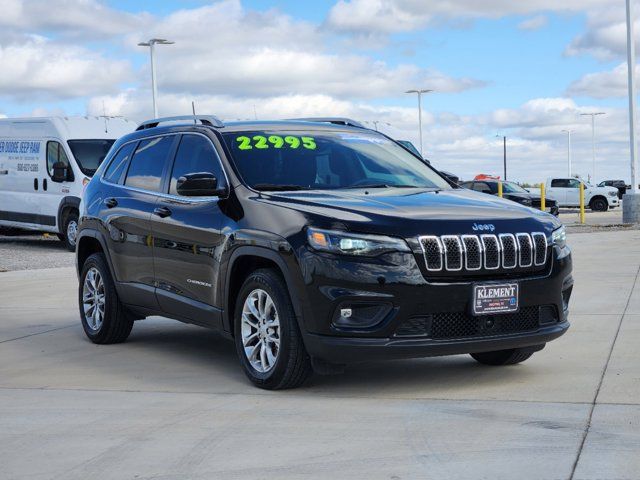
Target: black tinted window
482,187
119,164
55,154
561,183
195,155
147,164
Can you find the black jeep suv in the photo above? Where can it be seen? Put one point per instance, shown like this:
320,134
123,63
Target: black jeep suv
312,245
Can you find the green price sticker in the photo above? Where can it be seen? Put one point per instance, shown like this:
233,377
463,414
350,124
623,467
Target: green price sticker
260,142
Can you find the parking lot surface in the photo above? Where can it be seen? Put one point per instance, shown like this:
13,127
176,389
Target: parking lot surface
172,402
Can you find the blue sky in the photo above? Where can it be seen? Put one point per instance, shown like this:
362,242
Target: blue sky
525,69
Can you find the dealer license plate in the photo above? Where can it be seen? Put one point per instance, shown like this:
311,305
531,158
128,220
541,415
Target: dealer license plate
495,298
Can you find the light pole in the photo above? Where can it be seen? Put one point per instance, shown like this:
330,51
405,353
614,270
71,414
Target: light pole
420,92
593,140
154,89
504,153
568,132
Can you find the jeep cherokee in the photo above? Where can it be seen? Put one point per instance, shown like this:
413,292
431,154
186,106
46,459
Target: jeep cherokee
312,245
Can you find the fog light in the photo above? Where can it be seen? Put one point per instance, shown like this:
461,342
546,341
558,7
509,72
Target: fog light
360,315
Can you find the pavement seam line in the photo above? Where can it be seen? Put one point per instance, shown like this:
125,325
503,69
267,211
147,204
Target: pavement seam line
37,333
602,375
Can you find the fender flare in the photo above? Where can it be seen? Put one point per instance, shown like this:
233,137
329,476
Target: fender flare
68,202
91,233
267,254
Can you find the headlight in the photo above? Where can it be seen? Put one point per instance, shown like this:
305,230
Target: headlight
354,244
559,237
613,194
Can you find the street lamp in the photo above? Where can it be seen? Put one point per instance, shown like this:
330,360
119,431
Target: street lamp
569,132
154,91
504,152
420,92
593,140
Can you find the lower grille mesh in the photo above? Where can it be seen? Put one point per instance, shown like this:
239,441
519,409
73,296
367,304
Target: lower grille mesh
460,325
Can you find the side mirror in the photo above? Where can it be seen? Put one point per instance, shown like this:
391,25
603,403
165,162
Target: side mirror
201,184
60,172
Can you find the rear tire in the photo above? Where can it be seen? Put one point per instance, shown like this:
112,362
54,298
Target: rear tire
503,357
69,232
104,319
267,337
599,205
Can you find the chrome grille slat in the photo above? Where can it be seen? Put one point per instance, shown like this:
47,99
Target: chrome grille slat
455,253
491,248
539,248
452,253
509,250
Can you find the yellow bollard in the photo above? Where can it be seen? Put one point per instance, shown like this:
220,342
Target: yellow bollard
500,188
582,203
543,200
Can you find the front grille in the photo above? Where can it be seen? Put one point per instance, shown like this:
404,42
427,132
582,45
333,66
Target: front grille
453,253
461,325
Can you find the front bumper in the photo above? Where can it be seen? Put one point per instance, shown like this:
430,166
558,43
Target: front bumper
349,350
397,282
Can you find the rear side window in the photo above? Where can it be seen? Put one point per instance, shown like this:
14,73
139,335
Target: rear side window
560,183
195,155
119,164
482,187
147,164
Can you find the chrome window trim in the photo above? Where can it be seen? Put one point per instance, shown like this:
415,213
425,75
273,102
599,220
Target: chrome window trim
525,235
516,252
493,237
163,194
480,252
444,238
424,238
535,248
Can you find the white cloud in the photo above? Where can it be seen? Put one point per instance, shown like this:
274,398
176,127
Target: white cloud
90,18
607,84
42,68
465,145
270,54
388,16
605,37
534,23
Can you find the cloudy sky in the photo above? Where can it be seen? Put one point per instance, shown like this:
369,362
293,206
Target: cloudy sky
525,69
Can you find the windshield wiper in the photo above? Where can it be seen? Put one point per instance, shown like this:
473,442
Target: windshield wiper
381,185
274,187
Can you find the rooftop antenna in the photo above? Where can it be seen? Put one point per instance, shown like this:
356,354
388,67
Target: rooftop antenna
193,109
104,115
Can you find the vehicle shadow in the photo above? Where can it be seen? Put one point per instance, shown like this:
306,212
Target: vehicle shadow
204,354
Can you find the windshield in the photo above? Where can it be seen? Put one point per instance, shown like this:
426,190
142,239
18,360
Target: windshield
89,153
324,160
513,188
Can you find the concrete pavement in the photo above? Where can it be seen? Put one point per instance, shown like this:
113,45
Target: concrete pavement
172,402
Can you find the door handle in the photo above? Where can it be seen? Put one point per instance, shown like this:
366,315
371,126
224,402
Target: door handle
110,202
162,212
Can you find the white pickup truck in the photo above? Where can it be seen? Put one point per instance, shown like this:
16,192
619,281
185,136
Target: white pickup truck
566,191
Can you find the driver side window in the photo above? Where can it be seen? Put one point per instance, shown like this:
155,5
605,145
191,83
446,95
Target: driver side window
55,154
573,183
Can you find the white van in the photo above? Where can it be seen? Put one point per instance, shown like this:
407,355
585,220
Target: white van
45,164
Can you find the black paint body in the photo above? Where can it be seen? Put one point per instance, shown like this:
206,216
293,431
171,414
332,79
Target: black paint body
185,266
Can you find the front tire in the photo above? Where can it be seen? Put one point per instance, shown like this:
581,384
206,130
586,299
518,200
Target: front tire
104,319
599,205
69,231
267,337
503,357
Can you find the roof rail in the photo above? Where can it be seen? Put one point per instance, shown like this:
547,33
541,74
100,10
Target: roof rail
335,120
208,120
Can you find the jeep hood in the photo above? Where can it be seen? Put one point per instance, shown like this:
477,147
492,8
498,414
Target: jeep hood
409,211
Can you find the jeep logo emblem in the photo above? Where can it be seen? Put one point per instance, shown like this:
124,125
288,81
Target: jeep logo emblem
483,227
